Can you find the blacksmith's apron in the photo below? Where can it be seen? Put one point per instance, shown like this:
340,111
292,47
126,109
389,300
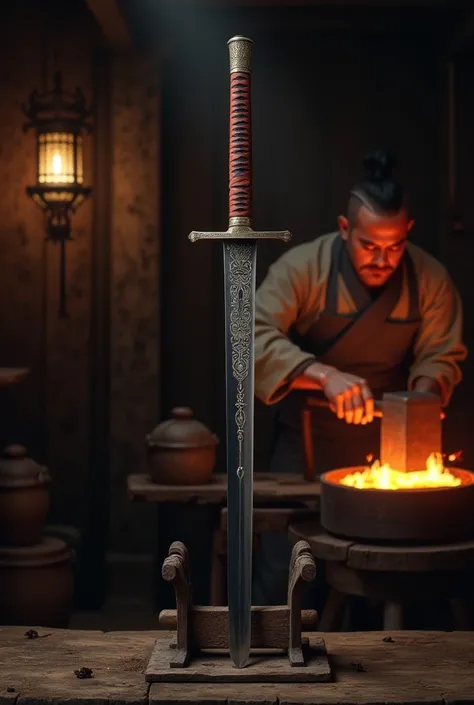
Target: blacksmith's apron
369,344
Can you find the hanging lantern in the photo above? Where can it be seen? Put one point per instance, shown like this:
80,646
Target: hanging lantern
60,120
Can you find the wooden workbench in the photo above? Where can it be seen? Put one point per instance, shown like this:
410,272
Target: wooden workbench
267,487
417,667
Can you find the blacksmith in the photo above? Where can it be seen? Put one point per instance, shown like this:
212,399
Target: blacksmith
351,315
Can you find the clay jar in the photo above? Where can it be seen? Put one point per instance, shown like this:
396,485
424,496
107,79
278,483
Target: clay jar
181,450
24,498
37,584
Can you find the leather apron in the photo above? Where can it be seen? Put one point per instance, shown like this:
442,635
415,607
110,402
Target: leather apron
369,344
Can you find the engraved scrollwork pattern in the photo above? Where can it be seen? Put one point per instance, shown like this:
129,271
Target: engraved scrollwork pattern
241,330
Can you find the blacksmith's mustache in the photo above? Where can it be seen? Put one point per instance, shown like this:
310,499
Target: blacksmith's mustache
373,268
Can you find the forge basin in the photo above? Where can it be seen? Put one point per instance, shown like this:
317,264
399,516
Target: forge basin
438,515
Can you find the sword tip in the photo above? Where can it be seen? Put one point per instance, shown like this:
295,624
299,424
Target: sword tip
241,661
240,654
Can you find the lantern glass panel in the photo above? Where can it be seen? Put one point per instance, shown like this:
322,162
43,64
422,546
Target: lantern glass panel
79,160
57,160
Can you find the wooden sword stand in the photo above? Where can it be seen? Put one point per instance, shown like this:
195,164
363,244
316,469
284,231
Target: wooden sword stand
201,649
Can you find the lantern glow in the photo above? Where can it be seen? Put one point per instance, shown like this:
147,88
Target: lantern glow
56,159
59,119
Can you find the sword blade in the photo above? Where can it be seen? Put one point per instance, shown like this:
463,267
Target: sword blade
239,284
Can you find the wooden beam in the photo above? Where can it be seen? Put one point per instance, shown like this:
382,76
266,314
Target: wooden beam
112,24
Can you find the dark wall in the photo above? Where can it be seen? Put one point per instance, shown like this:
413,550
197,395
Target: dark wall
320,100
92,393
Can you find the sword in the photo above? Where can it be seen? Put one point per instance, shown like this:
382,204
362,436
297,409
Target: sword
240,256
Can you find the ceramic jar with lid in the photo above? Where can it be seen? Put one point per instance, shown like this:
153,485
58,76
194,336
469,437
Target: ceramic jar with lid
24,498
181,450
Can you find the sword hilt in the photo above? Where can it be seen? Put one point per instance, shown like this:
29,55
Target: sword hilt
240,132
240,153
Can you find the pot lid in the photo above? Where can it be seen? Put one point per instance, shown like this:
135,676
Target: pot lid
17,469
181,431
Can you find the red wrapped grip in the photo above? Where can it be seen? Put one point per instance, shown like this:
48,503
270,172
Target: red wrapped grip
240,147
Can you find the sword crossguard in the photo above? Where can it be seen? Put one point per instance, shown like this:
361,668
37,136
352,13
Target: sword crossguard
248,234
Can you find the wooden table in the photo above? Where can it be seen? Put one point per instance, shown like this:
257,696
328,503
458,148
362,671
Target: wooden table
267,488
429,668
270,490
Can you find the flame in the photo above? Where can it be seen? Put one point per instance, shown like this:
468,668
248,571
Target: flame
57,164
383,477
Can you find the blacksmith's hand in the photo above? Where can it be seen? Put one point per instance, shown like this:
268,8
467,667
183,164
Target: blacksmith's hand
349,396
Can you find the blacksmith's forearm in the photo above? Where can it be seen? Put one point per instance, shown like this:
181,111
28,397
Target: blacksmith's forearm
277,359
427,385
444,372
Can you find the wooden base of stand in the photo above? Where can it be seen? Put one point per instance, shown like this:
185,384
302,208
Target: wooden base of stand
263,667
200,651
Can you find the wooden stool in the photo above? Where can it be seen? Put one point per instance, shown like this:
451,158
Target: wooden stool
396,575
264,519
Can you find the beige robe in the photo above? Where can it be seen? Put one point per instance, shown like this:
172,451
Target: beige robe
293,295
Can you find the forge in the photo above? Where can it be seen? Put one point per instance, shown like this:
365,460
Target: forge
409,495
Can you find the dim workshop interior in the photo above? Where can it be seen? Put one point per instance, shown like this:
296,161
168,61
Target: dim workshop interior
237,245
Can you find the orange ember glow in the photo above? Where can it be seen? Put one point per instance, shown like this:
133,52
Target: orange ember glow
383,477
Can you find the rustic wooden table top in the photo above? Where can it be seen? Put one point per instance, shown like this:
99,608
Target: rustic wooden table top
268,487
428,668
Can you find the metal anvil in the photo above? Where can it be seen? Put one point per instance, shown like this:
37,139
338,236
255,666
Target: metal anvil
410,429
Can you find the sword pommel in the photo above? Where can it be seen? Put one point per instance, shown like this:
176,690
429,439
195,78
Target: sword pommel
240,54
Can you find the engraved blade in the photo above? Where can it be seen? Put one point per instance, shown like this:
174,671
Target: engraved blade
239,284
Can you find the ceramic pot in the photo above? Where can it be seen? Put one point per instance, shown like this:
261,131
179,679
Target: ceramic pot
24,498
37,584
181,450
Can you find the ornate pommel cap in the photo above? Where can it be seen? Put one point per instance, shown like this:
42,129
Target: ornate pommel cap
240,54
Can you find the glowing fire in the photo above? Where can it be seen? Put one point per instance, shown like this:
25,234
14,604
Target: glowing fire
383,477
